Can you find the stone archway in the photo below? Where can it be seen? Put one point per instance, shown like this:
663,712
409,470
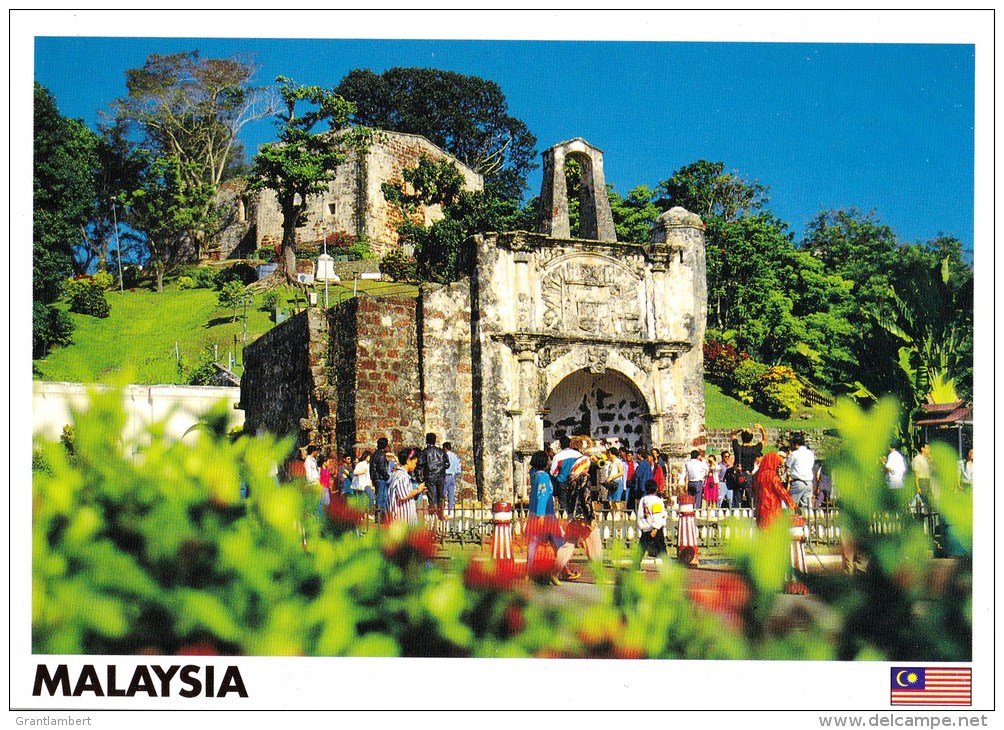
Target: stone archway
603,405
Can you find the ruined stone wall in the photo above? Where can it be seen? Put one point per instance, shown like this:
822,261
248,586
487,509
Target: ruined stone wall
447,378
354,201
824,444
283,372
388,157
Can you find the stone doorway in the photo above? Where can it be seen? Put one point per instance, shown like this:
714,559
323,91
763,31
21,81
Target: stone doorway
603,405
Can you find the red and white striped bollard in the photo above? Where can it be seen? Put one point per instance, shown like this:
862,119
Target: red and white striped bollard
687,547
502,531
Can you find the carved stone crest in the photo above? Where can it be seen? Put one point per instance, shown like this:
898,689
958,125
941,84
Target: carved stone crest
591,295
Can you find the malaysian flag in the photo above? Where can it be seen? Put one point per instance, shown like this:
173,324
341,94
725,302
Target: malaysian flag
931,686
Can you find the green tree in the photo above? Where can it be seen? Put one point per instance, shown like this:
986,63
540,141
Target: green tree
634,215
705,188
192,109
120,170
302,162
233,295
65,163
932,321
895,283
440,247
168,208
465,115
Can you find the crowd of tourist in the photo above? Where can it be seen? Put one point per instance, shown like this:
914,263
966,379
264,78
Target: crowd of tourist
572,478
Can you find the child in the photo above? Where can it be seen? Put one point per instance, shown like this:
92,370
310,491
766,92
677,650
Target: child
711,483
652,522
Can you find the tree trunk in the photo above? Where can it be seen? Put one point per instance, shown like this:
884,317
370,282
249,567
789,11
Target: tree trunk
287,255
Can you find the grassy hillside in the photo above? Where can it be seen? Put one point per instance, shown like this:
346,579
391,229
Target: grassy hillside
724,411
147,332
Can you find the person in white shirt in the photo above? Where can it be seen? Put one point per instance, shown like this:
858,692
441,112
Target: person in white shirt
696,470
614,477
652,518
310,467
895,468
800,463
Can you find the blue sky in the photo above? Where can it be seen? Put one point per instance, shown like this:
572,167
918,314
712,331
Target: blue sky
886,127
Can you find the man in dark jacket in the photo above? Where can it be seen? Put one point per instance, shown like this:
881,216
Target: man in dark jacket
432,472
380,476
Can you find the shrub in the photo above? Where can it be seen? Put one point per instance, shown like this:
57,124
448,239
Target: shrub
103,279
204,369
186,282
399,267
87,297
205,277
779,393
50,326
721,360
272,298
747,380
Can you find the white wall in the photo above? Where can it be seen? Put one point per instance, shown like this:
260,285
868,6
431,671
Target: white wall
178,406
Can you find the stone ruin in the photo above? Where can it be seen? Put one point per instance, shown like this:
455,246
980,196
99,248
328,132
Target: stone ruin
545,335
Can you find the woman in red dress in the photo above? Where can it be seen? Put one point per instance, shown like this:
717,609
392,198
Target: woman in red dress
768,491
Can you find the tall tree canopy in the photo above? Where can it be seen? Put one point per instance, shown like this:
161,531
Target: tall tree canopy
705,188
63,184
191,109
914,306
302,161
465,115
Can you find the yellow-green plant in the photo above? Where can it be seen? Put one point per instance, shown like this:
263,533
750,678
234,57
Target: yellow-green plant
158,552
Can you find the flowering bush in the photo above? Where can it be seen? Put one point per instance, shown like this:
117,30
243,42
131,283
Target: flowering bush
721,360
747,380
779,392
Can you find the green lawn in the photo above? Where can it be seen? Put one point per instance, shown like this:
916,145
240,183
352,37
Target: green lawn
146,331
724,411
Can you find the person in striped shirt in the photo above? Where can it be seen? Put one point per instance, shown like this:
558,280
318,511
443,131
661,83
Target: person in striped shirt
402,494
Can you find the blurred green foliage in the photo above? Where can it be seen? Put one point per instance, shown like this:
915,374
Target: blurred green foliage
158,553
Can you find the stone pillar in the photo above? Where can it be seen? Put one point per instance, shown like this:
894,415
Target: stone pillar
597,219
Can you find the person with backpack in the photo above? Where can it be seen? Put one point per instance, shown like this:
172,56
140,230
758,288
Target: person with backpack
561,469
737,480
431,471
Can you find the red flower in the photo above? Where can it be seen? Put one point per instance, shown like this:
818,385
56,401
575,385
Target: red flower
199,648
492,575
423,543
543,564
341,513
514,620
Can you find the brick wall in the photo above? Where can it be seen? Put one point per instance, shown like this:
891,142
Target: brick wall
821,441
387,387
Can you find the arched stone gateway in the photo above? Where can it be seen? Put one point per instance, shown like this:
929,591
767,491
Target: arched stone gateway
586,335
604,405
